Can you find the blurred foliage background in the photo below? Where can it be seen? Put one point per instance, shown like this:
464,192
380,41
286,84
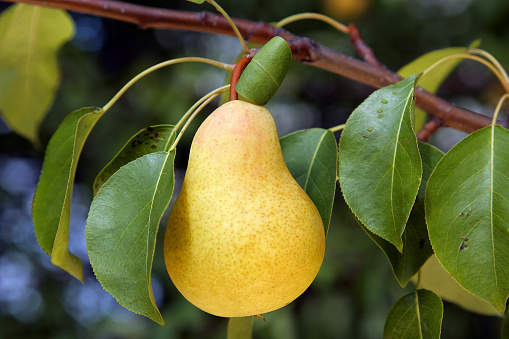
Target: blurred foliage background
355,288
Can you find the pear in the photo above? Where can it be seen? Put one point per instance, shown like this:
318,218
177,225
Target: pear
243,238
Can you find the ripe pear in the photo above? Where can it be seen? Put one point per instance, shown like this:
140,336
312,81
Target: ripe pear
243,238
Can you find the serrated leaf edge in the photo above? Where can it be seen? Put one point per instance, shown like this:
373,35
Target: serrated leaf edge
343,194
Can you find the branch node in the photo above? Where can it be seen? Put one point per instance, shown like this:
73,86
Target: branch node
362,49
303,49
429,129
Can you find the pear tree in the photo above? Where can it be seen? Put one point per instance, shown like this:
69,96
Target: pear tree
247,233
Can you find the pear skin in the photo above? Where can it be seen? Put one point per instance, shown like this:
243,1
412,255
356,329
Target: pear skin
243,238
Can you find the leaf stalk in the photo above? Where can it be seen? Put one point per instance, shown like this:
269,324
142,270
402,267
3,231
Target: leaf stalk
193,111
159,66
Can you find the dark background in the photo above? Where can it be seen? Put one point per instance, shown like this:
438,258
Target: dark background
355,288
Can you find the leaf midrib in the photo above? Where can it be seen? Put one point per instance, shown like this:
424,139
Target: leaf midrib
31,49
311,164
394,159
492,156
418,313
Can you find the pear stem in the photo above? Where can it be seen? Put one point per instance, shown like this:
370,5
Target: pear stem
193,111
337,128
224,66
237,72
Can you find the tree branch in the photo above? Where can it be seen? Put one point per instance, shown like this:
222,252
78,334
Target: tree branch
304,50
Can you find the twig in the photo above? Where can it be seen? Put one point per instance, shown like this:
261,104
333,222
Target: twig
429,129
362,49
304,50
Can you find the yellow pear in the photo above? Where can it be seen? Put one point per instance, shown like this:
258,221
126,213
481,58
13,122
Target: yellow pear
243,238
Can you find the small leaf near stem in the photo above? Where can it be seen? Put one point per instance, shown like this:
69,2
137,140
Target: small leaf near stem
193,111
230,21
224,66
264,74
237,71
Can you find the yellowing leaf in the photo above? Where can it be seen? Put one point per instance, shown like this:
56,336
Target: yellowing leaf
30,37
51,208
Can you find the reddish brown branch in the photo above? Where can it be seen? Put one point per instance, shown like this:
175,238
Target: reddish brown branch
429,129
362,49
304,50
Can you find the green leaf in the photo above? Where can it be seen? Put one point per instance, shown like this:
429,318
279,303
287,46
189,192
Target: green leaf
148,140
311,157
199,2
30,37
416,245
52,201
432,81
240,328
225,97
379,164
416,315
122,227
467,204
435,278
265,73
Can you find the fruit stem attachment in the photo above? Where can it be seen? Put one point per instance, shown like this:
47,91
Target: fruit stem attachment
230,21
337,128
237,72
224,66
499,106
317,16
193,111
